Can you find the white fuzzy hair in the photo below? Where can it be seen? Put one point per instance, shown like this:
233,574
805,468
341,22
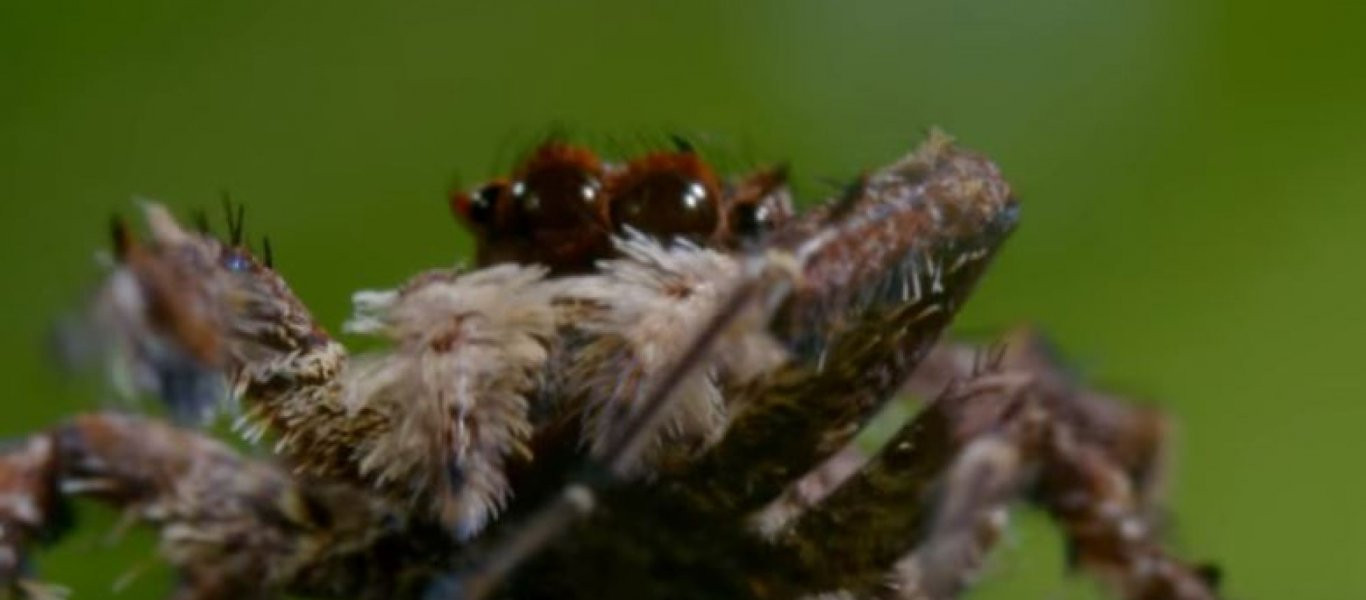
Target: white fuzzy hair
651,302
466,349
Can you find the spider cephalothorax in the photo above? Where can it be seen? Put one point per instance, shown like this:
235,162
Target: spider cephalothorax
647,388
563,204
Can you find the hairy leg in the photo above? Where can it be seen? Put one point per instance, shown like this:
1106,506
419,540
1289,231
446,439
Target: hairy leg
234,527
934,499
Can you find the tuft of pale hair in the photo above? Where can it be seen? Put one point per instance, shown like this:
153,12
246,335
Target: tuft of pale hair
467,349
649,305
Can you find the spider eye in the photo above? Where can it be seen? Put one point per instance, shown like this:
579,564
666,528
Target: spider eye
236,262
667,202
488,195
477,208
758,204
558,193
752,220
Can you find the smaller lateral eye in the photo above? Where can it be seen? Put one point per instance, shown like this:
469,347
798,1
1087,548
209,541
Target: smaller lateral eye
236,261
488,194
477,208
759,203
752,220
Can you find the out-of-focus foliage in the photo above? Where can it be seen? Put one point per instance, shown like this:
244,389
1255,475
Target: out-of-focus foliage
1191,172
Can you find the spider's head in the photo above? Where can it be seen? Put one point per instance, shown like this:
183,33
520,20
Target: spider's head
549,211
182,309
667,195
560,207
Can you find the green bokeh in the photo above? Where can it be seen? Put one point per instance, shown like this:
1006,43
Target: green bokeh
1191,172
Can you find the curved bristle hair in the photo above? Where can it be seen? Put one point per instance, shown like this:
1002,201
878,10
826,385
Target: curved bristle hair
236,216
121,237
267,253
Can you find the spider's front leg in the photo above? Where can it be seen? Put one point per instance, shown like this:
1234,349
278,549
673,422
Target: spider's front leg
427,424
415,435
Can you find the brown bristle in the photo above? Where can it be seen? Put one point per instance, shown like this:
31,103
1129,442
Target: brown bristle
122,237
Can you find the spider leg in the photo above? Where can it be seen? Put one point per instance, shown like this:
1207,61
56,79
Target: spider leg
234,527
430,421
1093,500
947,363
1134,435
1083,485
808,492
971,517
876,517
28,508
1021,429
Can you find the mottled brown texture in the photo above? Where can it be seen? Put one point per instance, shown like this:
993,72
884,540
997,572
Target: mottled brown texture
234,527
882,272
656,406
1014,425
28,503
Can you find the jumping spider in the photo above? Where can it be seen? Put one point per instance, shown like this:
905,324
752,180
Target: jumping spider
647,388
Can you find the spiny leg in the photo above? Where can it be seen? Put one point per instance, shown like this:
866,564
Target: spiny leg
808,492
1090,495
875,517
1134,435
233,527
425,426
965,508
429,422
1020,428
29,510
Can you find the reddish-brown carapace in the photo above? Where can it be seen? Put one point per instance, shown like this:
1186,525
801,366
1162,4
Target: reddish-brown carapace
549,211
563,204
646,387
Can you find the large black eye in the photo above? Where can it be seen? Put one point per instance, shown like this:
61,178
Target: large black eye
482,207
560,196
667,204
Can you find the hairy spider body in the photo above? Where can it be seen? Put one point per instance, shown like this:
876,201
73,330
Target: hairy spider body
649,388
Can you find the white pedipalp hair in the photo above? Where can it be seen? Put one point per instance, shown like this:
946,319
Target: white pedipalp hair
467,348
650,303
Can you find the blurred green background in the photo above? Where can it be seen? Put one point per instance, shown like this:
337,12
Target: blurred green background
1191,173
